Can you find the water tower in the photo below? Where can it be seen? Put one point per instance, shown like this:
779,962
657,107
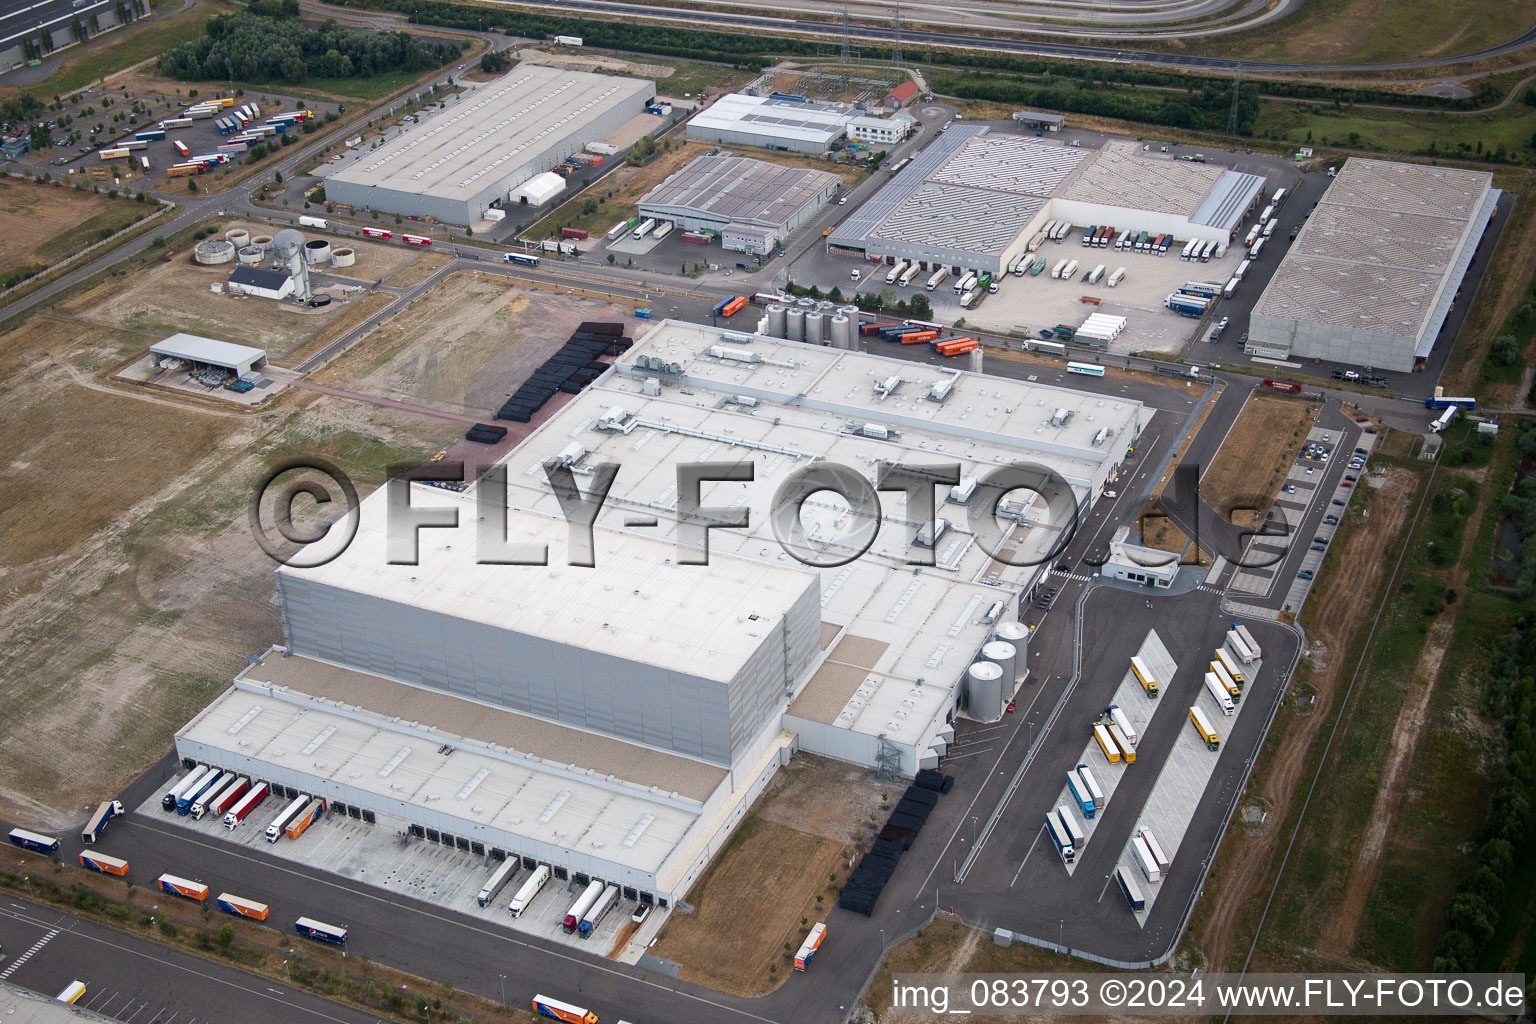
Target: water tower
288,251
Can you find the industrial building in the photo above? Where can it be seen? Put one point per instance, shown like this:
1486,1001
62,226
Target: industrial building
200,353
617,718
461,160
974,198
796,125
752,205
262,283
1373,273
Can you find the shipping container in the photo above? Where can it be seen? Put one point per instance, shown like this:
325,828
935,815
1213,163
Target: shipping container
320,931
1219,694
529,889
1227,682
544,1006
245,805
662,230
1157,851
275,830
499,878
101,862
1079,793
1058,835
583,904
1118,717
1107,744
182,887
1095,275
1204,728
1127,748
575,233
105,812
809,947
1144,676
301,821
242,907
1034,243
1230,664
1129,890
1145,860
599,910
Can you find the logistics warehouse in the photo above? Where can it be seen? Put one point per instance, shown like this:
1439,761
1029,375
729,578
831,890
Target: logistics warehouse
476,151
617,721
974,199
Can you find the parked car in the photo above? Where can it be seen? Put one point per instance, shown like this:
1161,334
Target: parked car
1330,520
1305,574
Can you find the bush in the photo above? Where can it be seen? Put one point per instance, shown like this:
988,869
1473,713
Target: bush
167,928
496,63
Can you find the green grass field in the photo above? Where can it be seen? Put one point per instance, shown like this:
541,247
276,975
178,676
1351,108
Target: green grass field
1402,131
108,222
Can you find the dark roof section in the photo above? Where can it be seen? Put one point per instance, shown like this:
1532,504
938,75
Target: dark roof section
255,277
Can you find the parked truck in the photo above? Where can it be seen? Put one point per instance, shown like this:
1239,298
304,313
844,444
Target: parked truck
499,878
1127,747
937,278
528,890
1058,268
245,805
1204,727
275,830
108,810
1118,716
1186,305
896,271
1130,890
1086,775
1227,682
907,275
644,229
313,222
1236,645
583,904
662,230
305,818
194,794
1107,744
1095,275
214,796
1219,694
1079,792
1230,664
168,802
1058,833
599,910
809,947
1158,855
1247,637
1144,858
963,285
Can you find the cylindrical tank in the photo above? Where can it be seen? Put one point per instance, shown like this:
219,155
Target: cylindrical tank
262,242
251,255
1005,656
214,251
984,691
806,303
317,250
776,319
1017,634
976,360
343,257
841,332
815,328
794,324
238,237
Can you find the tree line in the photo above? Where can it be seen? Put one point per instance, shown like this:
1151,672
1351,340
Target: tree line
257,47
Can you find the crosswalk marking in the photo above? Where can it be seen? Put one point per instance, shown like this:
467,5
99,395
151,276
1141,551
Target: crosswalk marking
39,944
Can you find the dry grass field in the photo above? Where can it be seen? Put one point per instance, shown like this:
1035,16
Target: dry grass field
44,224
1264,441
794,844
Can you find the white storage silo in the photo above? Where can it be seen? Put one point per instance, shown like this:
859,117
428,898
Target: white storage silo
238,237
815,328
776,320
317,250
1005,656
842,332
984,691
250,255
262,242
343,257
794,323
1017,634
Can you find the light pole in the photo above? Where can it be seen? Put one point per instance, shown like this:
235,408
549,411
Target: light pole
503,990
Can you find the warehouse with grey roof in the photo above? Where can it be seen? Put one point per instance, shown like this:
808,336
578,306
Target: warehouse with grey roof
1372,276
753,203
474,153
974,198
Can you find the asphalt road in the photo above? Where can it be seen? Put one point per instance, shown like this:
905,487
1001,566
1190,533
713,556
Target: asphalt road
139,981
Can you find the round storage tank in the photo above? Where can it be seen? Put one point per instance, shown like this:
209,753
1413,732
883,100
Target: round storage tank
317,250
238,237
1005,656
806,303
815,329
214,251
251,255
1017,634
343,257
776,320
984,691
794,323
842,336
262,242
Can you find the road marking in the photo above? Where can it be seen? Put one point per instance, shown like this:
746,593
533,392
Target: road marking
29,954
1027,854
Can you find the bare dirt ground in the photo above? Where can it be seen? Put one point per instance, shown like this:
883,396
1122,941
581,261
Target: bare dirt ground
795,843
418,270
1503,287
33,215
614,65
1264,441
174,295
465,344
1247,857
